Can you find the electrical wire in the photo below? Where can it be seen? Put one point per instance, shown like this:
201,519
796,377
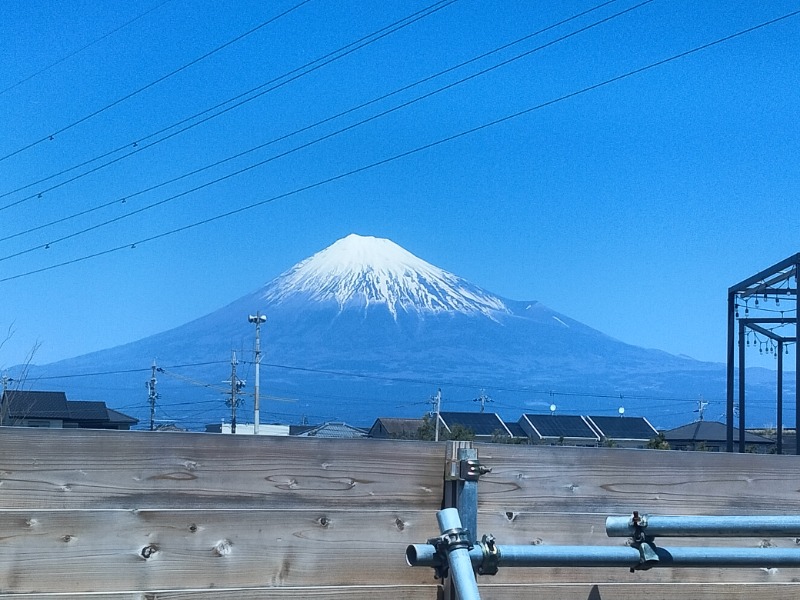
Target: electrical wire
306,128
350,374
287,78
396,157
130,95
295,149
82,48
306,145
126,371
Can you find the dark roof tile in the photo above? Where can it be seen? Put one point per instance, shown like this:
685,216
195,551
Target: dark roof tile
557,426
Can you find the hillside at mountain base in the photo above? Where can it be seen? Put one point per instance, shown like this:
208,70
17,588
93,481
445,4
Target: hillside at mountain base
364,329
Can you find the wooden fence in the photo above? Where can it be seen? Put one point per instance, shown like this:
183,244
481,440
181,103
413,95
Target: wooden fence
177,516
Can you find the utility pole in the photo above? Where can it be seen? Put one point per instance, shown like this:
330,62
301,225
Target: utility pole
152,396
4,401
483,399
258,319
236,387
437,405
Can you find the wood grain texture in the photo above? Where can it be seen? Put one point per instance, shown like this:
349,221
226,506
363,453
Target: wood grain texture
618,481
589,529
394,592
90,469
73,551
138,515
580,591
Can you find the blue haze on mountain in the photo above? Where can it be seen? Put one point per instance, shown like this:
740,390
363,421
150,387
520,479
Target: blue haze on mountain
365,329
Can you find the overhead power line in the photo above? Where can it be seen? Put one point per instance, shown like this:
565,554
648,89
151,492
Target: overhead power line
385,378
82,48
308,144
321,122
407,153
127,371
152,83
225,106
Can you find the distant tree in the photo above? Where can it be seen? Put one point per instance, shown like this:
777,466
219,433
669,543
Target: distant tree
501,437
460,432
427,431
609,443
21,377
658,443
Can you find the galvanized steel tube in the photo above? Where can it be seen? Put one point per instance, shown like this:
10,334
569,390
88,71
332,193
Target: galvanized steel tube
705,526
458,558
424,555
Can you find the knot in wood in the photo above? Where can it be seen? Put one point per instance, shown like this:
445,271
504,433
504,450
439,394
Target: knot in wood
324,521
398,522
223,547
193,528
149,551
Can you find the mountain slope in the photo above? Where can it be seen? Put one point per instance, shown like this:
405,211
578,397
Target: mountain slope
365,329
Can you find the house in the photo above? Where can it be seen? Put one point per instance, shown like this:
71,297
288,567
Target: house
334,430
517,432
712,436
392,428
623,432
248,429
53,410
559,430
485,426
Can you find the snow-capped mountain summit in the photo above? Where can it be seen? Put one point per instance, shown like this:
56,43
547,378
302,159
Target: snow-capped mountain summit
366,272
364,328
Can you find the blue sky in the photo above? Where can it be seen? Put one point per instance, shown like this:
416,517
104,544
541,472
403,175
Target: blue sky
631,207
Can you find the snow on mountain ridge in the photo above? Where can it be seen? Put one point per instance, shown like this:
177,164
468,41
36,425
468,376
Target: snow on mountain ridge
363,271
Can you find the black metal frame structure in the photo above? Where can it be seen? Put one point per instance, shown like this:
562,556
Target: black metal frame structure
771,283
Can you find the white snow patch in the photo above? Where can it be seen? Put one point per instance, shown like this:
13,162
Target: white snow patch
363,271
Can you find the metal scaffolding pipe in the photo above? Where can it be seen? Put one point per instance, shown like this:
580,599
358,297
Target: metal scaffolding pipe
424,555
458,557
706,526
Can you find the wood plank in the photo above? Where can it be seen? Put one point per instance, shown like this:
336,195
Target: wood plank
618,481
116,550
82,551
580,591
90,469
396,592
661,591
589,529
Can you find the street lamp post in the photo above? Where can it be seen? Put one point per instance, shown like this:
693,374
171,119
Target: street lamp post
258,319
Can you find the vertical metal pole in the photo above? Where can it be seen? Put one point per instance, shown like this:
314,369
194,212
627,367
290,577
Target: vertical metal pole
780,398
461,573
467,498
797,358
461,494
152,396
256,408
234,393
438,409
741,386
731,318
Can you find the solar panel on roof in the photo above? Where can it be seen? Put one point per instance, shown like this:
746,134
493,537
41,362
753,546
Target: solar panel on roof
624,428
556,426
478,423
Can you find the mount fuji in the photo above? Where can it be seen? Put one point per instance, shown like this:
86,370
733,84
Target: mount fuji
364,329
